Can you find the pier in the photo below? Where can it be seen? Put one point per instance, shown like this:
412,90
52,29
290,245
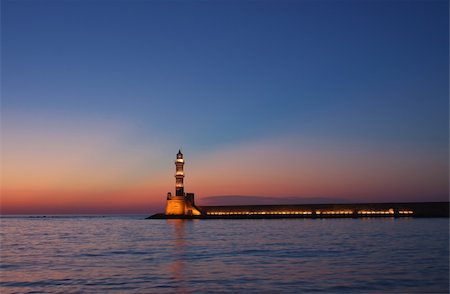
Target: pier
356,210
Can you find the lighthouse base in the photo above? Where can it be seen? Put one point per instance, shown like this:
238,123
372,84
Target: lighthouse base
181,205
175,207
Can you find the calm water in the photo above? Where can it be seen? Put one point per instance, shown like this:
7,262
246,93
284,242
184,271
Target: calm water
132,255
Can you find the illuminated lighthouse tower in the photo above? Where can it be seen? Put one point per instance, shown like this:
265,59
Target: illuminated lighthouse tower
179,174
182,203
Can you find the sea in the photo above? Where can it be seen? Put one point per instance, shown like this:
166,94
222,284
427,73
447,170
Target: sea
129,254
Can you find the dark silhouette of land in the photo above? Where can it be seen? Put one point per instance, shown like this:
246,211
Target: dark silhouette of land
222,200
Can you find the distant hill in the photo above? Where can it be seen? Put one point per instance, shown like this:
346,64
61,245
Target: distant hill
266,200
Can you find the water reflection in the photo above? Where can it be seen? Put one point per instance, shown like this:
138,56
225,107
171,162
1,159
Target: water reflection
125,255
177,265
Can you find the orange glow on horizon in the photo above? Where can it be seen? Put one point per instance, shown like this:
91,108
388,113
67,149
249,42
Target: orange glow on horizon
93,176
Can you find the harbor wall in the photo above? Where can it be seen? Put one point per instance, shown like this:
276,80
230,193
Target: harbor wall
412,209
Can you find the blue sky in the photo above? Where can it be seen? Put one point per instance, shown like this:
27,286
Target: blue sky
211,75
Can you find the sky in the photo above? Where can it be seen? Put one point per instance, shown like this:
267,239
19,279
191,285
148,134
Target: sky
336,99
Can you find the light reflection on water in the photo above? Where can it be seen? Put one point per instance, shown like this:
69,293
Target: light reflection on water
129,254
177,265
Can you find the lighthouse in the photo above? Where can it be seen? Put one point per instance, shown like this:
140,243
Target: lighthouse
179,174
181,203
